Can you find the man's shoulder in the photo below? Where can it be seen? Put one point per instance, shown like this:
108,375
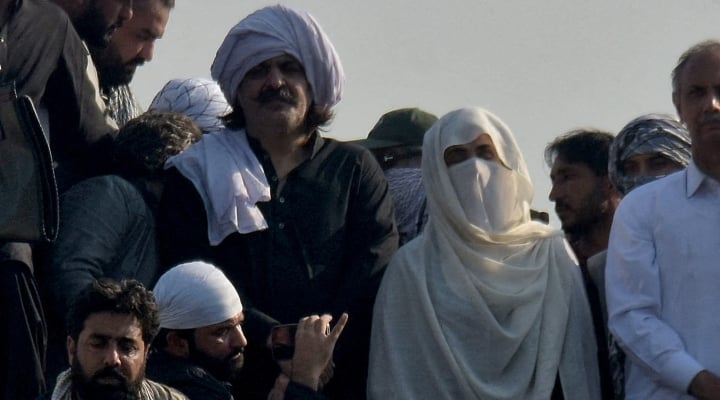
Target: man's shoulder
185,376
157,391
44,12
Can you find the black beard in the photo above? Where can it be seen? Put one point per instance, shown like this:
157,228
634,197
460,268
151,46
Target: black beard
226,369
89,389
112,72
92,27
280,94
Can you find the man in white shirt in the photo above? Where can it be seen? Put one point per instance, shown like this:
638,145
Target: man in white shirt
662,273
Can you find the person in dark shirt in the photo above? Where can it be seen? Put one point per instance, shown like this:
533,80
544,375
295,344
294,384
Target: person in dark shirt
321,243
200,345
42,55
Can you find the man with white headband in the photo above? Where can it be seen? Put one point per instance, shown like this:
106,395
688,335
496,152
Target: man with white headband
318,238
200,345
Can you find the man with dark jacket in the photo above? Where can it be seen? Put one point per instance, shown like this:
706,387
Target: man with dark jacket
322,231
199,349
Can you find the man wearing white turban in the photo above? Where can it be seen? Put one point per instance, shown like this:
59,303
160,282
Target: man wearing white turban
485,303
199,98
327,231
201,341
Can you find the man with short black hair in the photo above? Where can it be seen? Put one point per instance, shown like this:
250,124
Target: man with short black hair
585,201
110,328
131,46
584,197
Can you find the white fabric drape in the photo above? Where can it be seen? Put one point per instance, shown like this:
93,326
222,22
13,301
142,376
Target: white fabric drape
230,180
467,314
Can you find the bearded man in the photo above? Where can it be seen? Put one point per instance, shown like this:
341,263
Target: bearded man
110,327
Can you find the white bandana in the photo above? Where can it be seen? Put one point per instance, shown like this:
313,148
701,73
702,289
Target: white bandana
199,98
195,295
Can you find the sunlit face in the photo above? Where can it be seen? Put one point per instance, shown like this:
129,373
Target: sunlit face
101,18
481,147
698,100
579,195
133,44
109,357
649,164
275,93
219,347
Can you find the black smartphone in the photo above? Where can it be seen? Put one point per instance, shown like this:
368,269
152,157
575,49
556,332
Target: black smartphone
282,338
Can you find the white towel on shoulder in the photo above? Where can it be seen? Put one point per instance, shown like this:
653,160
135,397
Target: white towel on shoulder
230,181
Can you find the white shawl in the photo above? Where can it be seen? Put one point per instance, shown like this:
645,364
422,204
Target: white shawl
230,181
462,314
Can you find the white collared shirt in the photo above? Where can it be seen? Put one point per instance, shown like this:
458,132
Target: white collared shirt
663,283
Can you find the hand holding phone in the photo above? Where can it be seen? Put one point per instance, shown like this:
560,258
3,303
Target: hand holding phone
282,338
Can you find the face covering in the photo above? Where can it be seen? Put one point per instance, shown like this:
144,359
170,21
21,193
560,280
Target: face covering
487,192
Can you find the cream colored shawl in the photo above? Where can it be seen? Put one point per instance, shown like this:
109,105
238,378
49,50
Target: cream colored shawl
463,314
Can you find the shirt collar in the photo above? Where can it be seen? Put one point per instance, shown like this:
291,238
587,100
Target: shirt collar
696,179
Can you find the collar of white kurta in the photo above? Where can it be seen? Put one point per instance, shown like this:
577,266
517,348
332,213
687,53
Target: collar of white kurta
230,181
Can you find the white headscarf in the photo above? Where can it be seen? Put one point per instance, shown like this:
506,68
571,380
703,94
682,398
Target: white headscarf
195,295
464,313
271,32
199,98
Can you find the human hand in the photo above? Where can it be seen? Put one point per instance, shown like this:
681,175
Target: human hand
278,390
314,345
705,386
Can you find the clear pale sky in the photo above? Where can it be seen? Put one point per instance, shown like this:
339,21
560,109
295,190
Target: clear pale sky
544,67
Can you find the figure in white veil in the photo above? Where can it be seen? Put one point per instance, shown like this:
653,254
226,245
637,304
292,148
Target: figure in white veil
485,303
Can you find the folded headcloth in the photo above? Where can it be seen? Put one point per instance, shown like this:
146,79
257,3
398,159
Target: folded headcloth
195,295
274,31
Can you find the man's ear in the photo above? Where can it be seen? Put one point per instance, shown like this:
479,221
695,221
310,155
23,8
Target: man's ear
177,345
676,102
70,344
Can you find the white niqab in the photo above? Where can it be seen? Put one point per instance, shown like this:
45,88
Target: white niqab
195,295
470,314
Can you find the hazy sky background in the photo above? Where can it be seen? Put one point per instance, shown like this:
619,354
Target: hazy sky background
544,67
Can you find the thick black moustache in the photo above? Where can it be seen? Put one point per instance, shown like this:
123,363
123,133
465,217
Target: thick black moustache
110,373
279,94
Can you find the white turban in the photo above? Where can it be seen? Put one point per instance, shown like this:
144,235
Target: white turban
199,98
271,32
195,295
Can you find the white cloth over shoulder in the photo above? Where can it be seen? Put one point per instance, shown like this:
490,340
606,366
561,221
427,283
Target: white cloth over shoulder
463,313
230,181
274,31
195,295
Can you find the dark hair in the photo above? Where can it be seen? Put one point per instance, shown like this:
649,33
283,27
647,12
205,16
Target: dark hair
587,146
316,118
687,56
124,297
144,144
